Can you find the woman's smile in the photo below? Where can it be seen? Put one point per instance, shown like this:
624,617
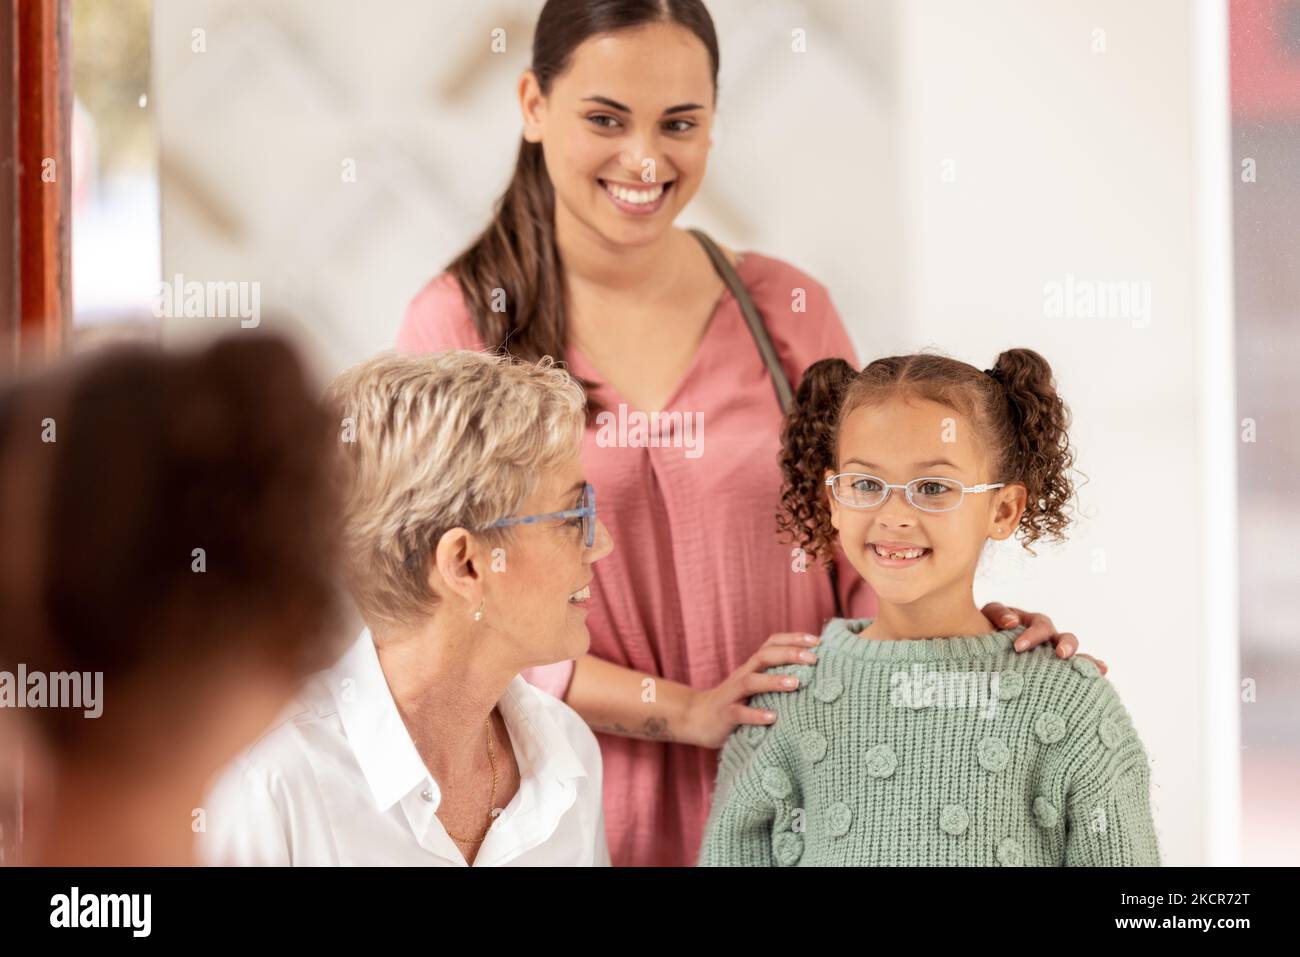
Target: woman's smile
581,597
637,200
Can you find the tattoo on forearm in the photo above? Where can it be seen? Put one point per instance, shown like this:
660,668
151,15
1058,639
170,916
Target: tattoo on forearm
653,729
657,729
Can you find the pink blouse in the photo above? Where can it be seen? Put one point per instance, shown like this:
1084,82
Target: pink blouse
697,579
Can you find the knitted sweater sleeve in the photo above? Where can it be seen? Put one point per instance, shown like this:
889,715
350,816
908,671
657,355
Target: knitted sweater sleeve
1108,808
754,794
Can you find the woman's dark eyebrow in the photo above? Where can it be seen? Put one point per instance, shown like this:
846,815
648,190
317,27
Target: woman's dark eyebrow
616,105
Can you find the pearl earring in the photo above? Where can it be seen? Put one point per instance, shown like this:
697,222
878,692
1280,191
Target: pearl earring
478,615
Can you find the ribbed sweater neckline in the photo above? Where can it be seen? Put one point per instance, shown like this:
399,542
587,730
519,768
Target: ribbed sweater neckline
844,636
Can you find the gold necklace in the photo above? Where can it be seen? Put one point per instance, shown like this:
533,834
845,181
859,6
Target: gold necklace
492,800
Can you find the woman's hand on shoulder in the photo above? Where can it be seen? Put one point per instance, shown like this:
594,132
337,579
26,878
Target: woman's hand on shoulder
713,713
1038,629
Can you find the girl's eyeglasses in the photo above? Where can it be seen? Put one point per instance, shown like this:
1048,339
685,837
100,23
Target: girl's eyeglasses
857,490
586,510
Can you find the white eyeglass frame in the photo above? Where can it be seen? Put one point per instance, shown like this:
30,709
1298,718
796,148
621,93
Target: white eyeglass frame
907,491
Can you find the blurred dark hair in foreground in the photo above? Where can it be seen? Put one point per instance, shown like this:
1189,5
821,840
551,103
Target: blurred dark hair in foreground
168,520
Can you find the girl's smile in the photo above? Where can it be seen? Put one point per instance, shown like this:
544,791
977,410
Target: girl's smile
894,554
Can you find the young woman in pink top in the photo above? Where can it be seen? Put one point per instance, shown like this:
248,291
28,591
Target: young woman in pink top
582,261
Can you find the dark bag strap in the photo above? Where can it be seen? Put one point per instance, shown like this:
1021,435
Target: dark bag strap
780,381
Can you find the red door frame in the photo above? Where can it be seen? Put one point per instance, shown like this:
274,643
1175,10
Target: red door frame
35,245
35,180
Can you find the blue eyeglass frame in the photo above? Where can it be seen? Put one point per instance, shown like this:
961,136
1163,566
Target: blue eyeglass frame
907,491
586,511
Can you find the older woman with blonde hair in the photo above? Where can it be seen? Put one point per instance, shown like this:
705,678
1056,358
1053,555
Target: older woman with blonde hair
469,534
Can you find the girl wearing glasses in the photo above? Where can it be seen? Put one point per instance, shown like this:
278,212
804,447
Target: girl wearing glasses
920,737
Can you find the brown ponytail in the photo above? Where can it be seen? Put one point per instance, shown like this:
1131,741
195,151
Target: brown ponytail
517,254
1037,441
808,450
1022,421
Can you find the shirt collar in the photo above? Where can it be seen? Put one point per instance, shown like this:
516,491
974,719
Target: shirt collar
379,739
383,747
542,747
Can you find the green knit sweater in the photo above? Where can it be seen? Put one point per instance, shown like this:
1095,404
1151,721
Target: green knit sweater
938,751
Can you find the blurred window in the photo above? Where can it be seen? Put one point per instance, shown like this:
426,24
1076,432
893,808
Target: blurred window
1265,46
115,208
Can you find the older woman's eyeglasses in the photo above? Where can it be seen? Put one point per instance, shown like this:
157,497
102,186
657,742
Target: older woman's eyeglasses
586,511
858,490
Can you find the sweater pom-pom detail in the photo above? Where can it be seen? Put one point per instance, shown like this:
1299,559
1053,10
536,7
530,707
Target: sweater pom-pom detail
881,761
838,819
776,783
1010,853
954,819
787,848
1112,732
1085,666
1050,727
1010,685
1045,813
812,745
828,688
993,754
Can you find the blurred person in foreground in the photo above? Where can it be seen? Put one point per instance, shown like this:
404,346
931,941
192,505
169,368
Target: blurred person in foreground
167,555
470,531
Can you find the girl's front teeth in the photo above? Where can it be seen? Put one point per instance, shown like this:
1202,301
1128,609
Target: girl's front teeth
638,196
581,594
905,553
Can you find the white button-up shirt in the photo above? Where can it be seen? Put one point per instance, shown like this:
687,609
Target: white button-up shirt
338,781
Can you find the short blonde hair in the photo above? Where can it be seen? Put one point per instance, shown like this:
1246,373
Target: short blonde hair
435,442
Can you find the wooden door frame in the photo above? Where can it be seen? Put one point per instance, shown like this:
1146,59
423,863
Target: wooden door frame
35,245
35,181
